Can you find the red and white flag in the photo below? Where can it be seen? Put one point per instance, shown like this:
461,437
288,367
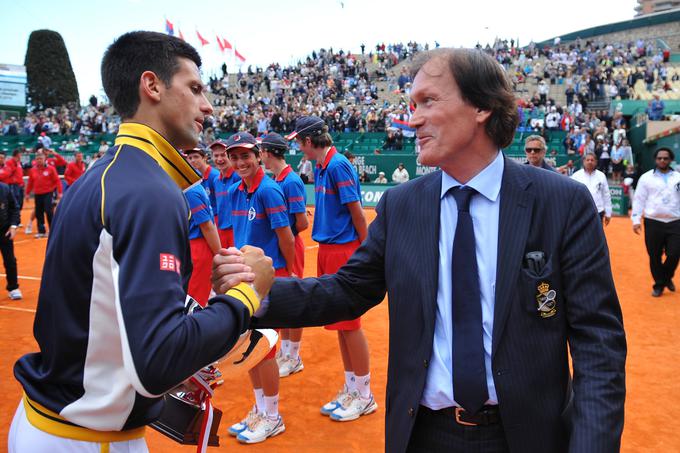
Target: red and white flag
239,56
219,43
204,42
226,44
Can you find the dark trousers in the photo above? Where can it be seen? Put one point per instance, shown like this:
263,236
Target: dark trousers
18,193
436,432
43,208
7,249
662,238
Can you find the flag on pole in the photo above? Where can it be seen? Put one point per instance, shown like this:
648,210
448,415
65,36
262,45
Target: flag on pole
219,43
169,28
226,44
239,56
204,41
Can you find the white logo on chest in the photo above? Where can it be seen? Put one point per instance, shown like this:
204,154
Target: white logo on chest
251,214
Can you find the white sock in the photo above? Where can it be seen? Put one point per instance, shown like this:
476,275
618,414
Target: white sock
294,349
363,385
285,347
349,381
272,406
259,399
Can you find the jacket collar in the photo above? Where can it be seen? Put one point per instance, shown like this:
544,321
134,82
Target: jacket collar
159,149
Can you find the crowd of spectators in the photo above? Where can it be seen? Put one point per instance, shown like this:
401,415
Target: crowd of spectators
338,86
344,89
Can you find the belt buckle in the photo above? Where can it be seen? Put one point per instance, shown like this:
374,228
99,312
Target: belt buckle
458,411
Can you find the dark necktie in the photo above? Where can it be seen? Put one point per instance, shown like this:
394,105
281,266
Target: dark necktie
469,375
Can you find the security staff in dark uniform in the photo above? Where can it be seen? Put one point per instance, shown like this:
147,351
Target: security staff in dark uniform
9,219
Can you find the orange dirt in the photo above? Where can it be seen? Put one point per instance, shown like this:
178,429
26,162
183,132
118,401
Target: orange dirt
651,326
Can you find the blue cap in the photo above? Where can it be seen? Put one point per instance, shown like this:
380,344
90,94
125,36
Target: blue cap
273,142
307,126
241,140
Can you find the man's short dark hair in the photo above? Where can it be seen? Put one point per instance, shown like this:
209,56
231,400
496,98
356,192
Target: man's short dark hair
668,150
484,84
133,53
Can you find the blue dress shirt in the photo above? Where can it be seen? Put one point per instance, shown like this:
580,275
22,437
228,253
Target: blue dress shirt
484,209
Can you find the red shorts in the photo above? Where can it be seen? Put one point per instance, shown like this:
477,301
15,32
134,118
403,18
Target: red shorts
201,258
277,273
226,237
330,259
299,265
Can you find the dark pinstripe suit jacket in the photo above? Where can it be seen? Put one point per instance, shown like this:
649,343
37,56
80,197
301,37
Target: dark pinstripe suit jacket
539,210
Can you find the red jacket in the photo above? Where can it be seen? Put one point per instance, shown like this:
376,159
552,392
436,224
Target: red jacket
42,180
12,173
74,170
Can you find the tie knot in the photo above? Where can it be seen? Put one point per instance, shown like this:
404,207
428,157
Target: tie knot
463,195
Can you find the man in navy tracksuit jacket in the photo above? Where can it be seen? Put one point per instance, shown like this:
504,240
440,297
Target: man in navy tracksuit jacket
110,324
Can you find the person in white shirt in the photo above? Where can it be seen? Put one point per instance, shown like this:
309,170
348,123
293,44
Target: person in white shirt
381,178
596,182
657,197
400,174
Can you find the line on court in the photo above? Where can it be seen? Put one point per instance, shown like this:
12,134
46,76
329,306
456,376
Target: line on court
25,277
27,310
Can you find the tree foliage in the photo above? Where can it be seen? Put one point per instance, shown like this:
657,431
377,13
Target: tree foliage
50,78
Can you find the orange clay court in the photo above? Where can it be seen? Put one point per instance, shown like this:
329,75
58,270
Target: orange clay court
652,328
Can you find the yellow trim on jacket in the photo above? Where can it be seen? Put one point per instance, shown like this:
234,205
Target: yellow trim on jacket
52,423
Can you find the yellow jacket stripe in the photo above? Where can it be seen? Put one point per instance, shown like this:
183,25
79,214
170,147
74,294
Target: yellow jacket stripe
52,423
156,146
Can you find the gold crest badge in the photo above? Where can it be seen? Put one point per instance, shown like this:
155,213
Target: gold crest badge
546,300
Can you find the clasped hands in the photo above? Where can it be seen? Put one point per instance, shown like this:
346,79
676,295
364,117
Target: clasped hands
248,265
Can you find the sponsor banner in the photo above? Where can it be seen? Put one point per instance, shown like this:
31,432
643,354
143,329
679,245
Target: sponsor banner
370,194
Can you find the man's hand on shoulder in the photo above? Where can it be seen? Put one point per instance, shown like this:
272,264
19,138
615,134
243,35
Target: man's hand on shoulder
637,228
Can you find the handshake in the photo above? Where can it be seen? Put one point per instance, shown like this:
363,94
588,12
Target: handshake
249,265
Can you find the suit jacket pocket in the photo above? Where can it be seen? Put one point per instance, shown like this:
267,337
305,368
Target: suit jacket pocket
539,292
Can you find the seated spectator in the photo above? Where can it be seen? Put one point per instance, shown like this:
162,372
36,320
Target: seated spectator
363,177
381,178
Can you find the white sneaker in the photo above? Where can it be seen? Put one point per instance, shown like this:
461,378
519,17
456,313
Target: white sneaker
290,366
332,405
261,428
354,406
235,429
15,294
279,358
29,229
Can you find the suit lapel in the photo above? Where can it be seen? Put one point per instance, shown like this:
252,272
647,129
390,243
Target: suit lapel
430,207
513,229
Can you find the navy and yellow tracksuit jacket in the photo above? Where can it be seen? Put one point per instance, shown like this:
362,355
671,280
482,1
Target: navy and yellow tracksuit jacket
110,325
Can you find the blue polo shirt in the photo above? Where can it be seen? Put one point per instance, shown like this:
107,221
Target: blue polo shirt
336,183
222,185
294,192
256,212
208,182
201,211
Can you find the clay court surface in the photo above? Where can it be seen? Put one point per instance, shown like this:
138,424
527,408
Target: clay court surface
652,327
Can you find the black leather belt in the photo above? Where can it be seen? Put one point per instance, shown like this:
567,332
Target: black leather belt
487,415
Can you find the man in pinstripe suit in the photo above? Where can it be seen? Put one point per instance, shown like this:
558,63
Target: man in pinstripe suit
481,363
